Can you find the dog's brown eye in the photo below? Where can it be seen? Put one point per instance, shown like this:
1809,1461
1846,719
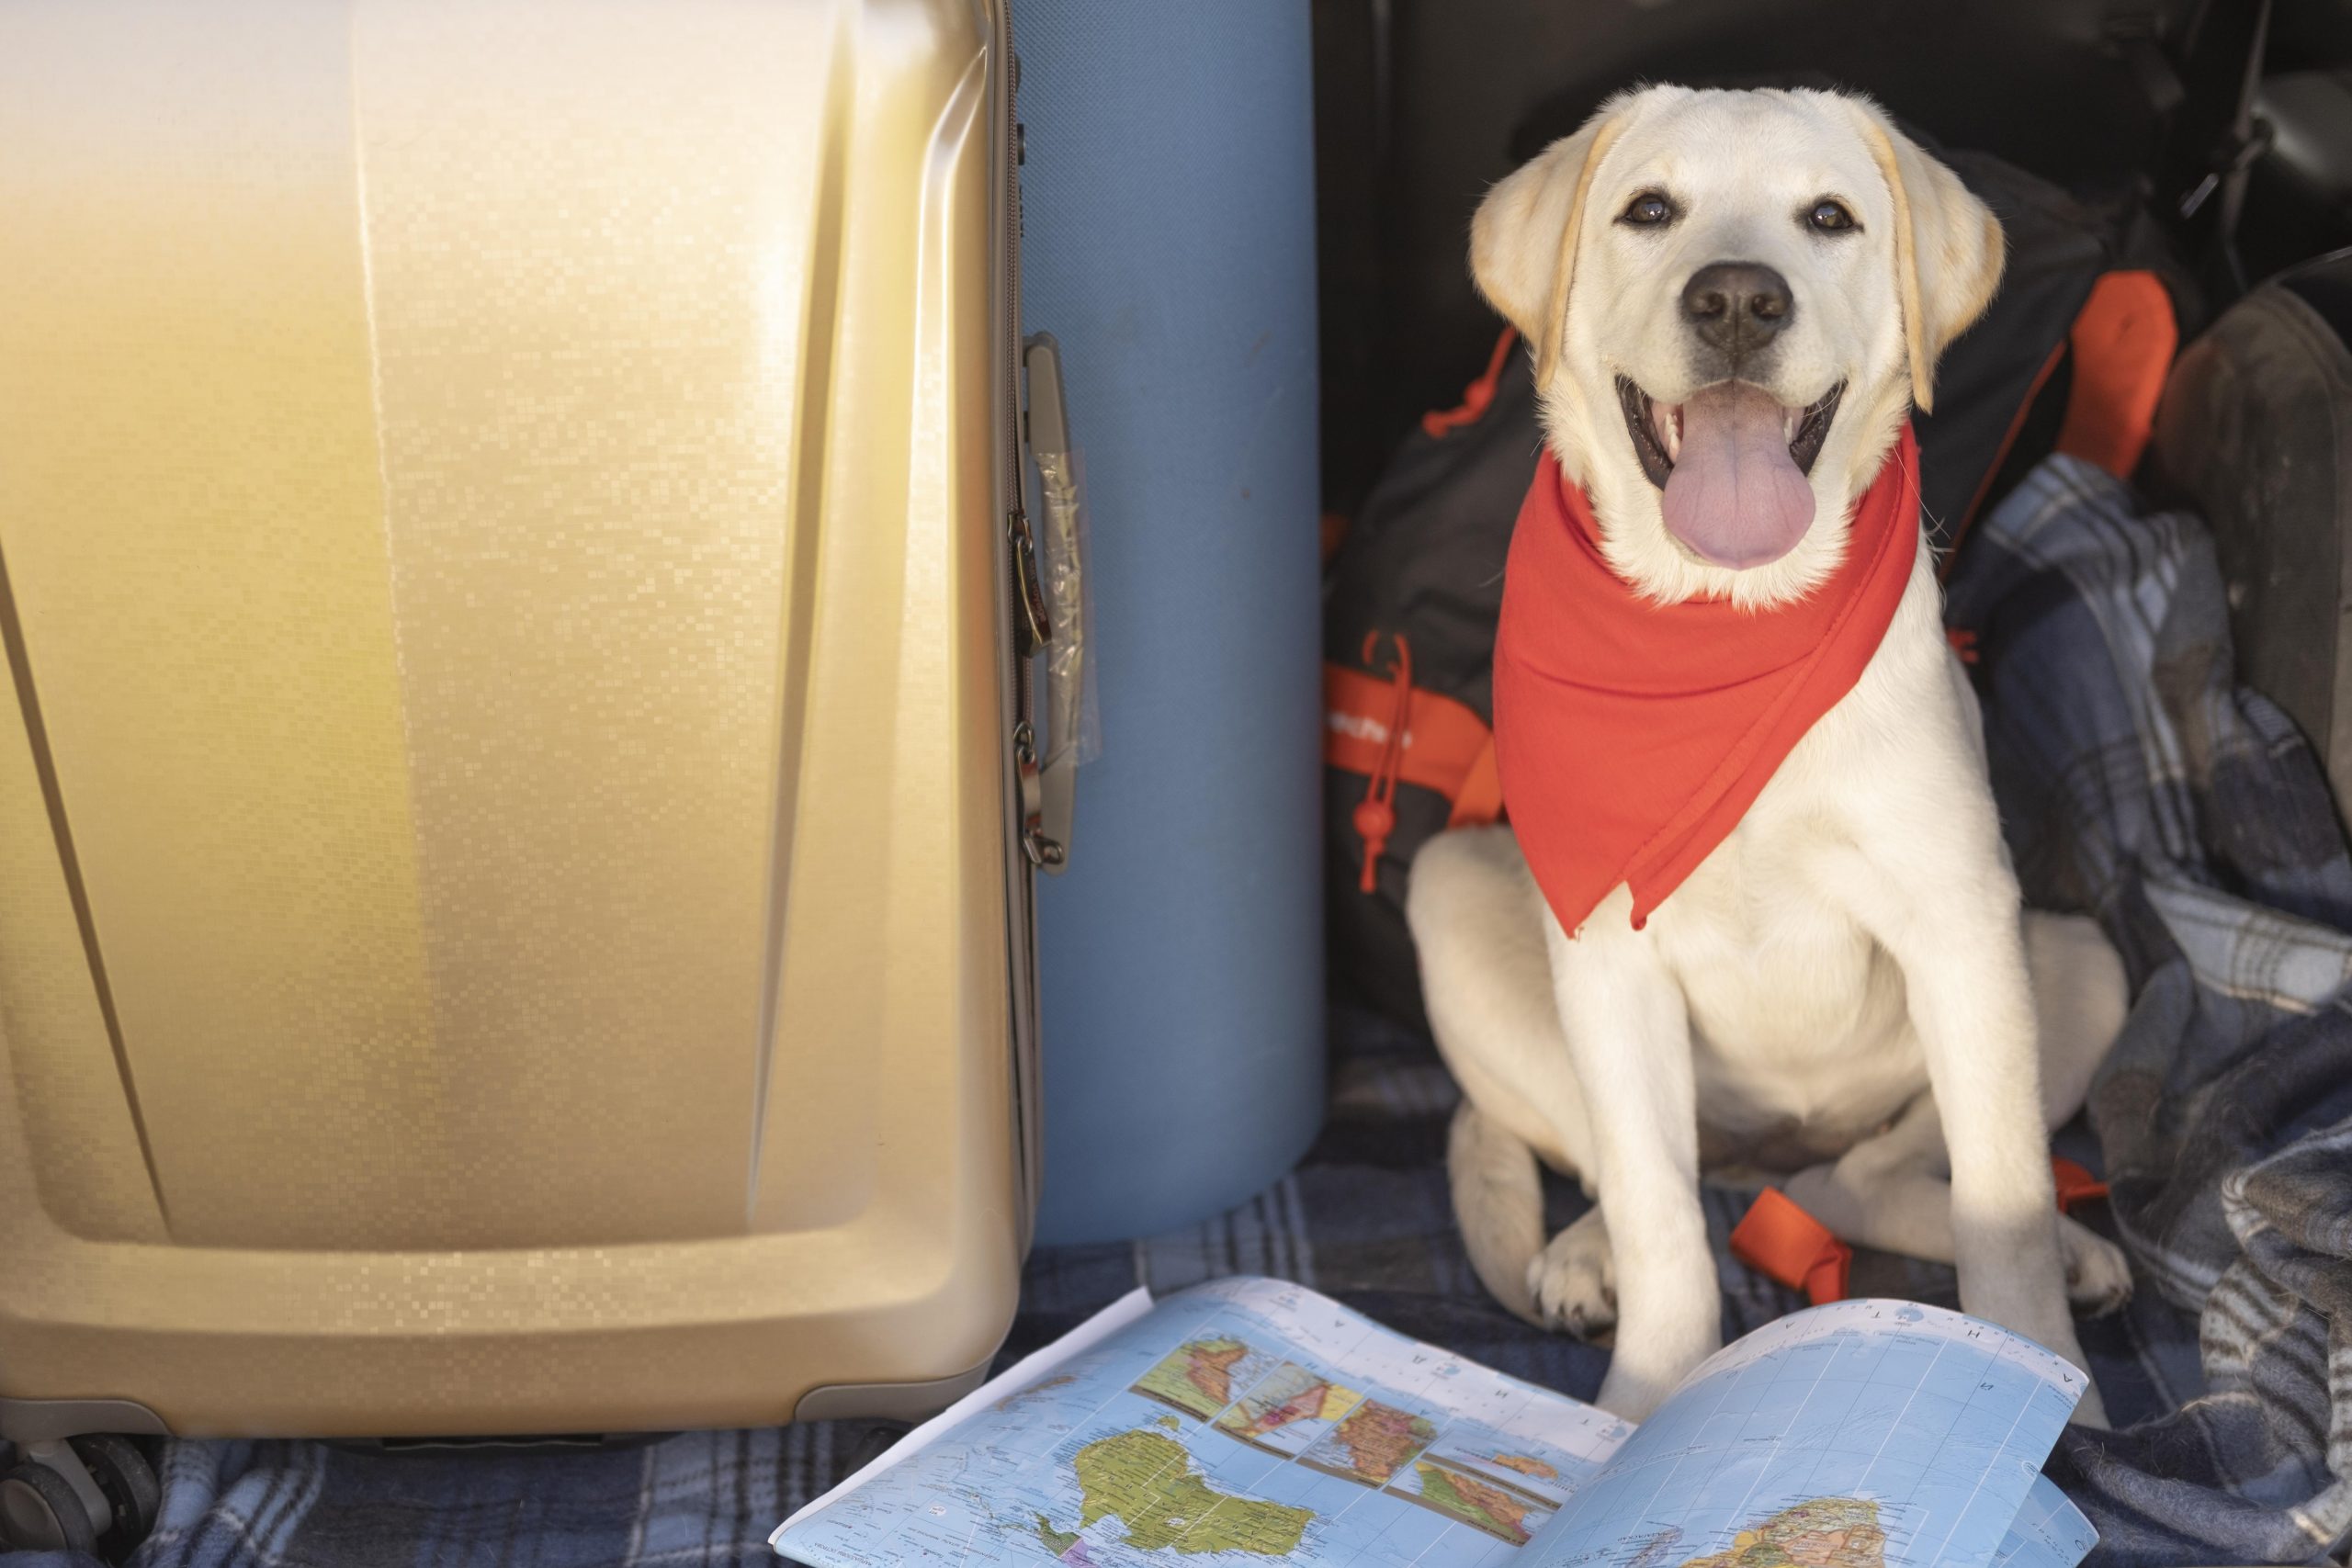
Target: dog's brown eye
1648,210
1829,218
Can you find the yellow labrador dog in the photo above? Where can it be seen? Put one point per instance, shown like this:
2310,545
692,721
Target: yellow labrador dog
1845,992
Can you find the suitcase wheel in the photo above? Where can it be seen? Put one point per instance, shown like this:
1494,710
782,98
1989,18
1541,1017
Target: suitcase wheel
40,1512
877,1441
128,1482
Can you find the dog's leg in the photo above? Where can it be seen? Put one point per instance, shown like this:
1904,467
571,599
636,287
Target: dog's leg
1974,1013
1499,1204
1945,905
1621,1012
1892,1192
1509,996
1478,928
2080,995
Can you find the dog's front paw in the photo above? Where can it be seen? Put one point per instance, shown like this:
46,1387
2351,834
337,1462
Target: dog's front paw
2098,1275
1573,1282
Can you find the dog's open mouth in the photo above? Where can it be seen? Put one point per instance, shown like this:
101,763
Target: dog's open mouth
1731,463
1657,429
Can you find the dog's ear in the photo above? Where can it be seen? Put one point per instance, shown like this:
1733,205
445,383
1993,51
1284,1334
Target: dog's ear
1949,248
1523,239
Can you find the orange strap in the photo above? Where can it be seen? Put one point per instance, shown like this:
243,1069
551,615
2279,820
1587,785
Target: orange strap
2122,345
1477,396
1442,738
1781,1241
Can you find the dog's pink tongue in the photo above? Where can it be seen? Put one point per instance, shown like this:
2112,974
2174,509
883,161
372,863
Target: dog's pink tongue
1735,497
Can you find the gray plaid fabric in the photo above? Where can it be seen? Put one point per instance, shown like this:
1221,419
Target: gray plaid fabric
2136,783
2139,783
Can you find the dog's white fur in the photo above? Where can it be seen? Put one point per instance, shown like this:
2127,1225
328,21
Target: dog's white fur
1846,989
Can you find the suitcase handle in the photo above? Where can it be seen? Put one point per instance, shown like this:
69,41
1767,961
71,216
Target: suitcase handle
1071,725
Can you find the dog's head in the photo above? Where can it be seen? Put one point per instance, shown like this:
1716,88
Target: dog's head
1732,298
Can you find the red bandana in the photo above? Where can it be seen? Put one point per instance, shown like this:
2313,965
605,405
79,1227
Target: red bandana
1632,736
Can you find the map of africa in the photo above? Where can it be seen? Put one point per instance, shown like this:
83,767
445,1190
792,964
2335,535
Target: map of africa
1249,1424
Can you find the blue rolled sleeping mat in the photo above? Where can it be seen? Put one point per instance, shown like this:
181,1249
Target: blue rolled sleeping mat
1169,198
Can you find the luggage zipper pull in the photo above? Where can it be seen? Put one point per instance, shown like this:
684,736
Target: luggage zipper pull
1375,814
1032,588
1042,851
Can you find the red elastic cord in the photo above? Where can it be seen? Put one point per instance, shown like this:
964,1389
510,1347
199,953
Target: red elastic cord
1375,814
1478,396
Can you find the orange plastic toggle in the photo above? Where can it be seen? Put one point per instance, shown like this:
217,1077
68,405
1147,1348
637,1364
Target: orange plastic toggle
2075,1185
1781,1241
1373,822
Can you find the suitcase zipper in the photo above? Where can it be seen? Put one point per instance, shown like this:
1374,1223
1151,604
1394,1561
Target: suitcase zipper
1029,629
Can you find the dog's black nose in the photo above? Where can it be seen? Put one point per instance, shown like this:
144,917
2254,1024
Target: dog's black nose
1737,307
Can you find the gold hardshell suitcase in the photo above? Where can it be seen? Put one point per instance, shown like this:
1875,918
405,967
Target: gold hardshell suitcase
513,910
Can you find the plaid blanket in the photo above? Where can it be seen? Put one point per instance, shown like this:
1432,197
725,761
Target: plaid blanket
2137,783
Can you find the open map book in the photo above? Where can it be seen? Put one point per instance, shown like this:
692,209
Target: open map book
1253,1422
